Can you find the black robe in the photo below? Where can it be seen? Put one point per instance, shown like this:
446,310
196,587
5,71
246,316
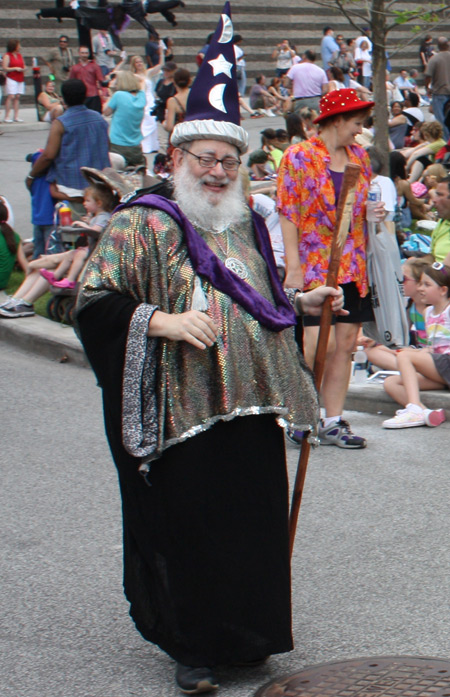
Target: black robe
206,549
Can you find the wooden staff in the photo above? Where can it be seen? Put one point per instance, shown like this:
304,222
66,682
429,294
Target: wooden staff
340,232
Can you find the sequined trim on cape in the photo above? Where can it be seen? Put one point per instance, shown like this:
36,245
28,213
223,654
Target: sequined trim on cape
139,409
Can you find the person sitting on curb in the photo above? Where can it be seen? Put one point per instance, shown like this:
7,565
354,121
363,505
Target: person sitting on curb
99,202
11,249
386,358
50,104
428,369
260,98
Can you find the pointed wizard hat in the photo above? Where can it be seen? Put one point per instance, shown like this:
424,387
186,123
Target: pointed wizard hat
212,111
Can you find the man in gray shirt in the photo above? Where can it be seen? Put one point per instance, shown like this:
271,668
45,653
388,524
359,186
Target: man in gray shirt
437,80
104,51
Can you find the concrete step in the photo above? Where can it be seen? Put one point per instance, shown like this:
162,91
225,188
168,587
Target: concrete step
262,25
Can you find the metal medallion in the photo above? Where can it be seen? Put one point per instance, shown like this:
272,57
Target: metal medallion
237,267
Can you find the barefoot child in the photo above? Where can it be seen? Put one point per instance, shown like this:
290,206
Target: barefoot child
428,369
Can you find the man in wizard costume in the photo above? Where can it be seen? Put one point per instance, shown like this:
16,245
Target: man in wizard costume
191,337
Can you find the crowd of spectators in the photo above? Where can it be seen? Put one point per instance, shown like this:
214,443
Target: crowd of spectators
146,96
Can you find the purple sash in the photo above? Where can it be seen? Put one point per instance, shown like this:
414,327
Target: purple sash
206,264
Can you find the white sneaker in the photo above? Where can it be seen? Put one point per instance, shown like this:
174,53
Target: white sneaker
410,417
10,302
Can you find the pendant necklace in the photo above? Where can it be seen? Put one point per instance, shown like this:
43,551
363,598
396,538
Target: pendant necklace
232,263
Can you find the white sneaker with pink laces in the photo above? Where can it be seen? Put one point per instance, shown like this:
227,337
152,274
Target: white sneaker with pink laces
410,417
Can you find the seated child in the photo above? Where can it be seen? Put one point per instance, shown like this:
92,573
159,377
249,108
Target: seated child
384,357
99,202
10,247
428,369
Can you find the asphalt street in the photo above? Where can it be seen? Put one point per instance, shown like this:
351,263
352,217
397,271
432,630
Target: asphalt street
370,569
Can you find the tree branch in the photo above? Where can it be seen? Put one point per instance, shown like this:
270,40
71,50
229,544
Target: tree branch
347,13
442,10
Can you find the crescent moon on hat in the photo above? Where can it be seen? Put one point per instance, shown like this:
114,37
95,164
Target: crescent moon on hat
227,30
215,97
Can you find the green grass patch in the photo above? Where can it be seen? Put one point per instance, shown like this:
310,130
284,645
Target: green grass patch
15,280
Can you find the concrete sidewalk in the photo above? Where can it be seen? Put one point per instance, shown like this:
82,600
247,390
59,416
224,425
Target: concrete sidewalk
30,122
58,342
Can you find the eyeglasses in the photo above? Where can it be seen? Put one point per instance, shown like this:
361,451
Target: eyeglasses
229,164
63,41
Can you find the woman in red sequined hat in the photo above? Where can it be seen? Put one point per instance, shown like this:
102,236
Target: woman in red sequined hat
309,182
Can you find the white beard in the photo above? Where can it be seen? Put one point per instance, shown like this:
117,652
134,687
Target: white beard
206,209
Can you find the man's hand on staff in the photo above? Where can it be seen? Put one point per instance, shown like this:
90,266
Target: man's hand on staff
311,302
193,326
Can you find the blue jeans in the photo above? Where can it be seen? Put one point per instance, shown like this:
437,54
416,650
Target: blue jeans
40,236
438,102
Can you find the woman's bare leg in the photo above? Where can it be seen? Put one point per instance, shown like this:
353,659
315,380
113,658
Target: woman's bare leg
40,287
310,338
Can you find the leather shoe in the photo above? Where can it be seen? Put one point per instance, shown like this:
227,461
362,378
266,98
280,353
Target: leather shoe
194,681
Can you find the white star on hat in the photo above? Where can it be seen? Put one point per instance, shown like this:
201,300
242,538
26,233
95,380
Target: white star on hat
221,65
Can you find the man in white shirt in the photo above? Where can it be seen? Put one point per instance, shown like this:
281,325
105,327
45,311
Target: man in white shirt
241,75
403,82
309,82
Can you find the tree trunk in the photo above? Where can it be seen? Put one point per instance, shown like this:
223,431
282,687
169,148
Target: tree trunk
378,23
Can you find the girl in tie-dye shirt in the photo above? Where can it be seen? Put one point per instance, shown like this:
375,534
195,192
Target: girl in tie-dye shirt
428,369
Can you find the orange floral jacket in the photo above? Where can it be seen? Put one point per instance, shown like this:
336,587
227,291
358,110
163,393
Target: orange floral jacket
306,197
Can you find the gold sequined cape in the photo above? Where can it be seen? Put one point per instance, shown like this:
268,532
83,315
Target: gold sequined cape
172,390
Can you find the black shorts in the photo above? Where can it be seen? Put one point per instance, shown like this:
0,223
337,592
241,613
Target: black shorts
360,309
